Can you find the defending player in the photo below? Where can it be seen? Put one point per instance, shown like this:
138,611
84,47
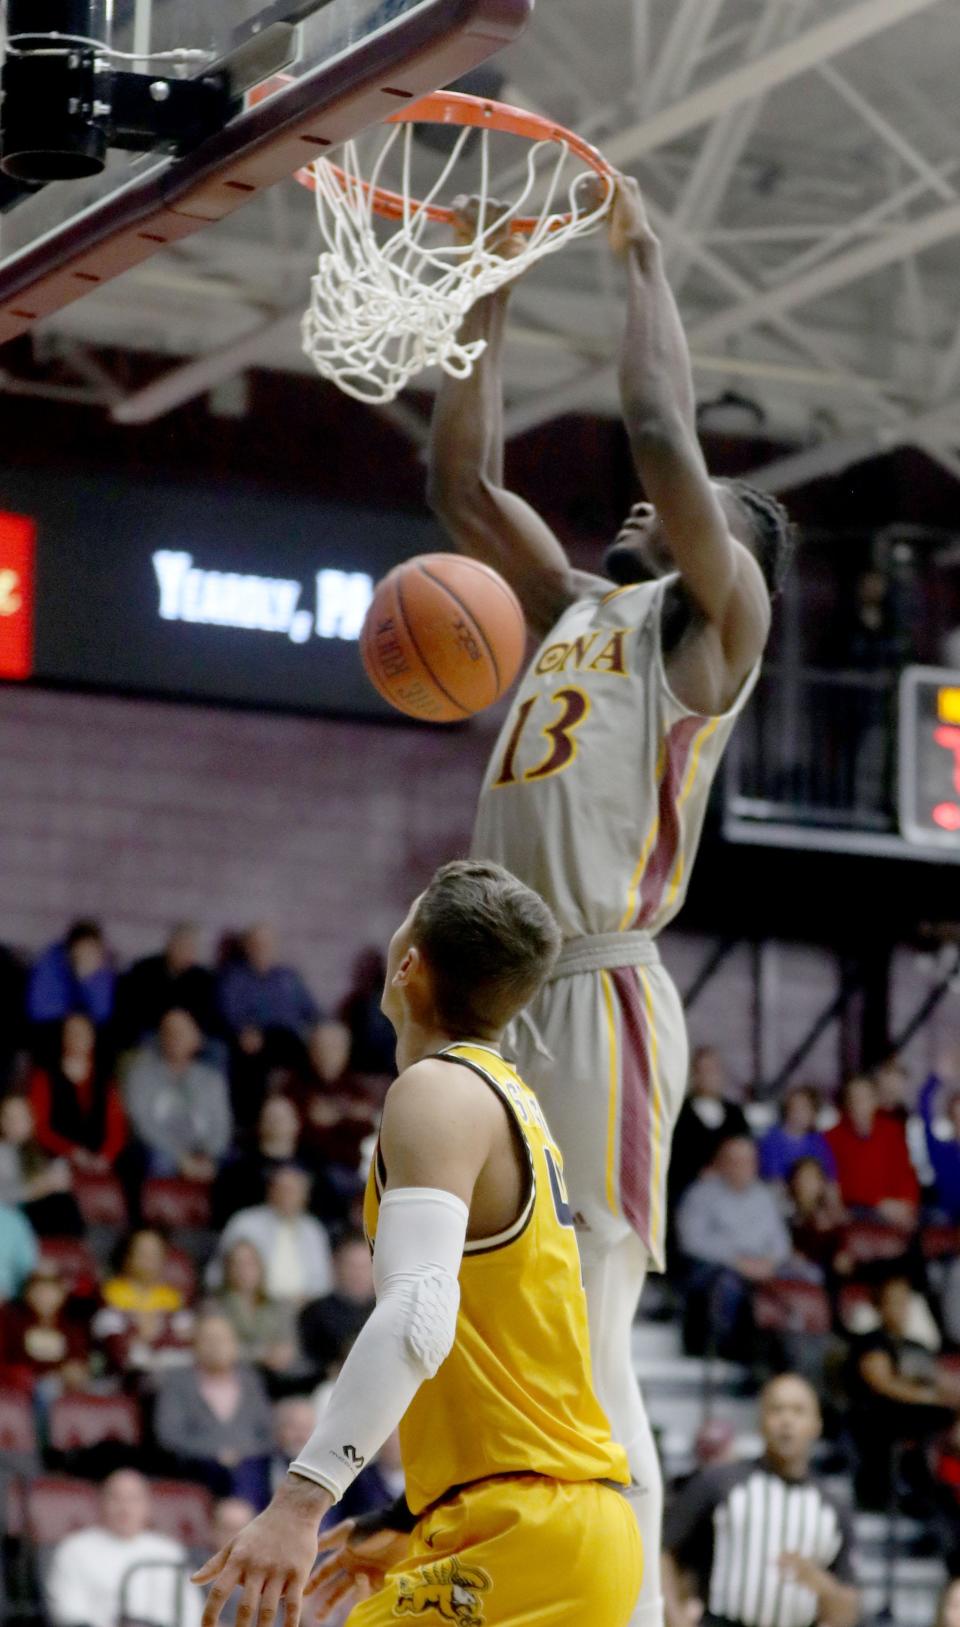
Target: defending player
511,1473
597,788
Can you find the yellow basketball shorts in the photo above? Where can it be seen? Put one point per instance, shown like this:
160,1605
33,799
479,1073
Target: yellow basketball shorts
518,1550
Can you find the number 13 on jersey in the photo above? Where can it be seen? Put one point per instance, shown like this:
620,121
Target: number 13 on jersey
560,732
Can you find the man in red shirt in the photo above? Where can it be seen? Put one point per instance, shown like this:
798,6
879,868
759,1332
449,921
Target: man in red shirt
873,1162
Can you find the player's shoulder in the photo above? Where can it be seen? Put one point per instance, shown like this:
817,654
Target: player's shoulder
439,1085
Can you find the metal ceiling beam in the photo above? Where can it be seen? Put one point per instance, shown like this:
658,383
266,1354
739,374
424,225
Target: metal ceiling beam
853,26
195,378
688,33
941,454
799,338
832,457
862,225
553,402
703,195
887,132
858,263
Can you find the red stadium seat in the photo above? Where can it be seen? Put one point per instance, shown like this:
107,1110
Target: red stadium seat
175,1203
57,1505
78,1421
181,1272
100,1199
940,1242
869,1240
17,1432
75,1262
784,1306
182,1511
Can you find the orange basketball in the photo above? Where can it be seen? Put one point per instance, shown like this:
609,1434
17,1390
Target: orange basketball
444,637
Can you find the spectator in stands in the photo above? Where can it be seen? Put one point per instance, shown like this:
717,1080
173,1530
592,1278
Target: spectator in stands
785,1557
294,1421
259,995
706,1119
76,1104
73,975
243,1181
38,1184
944,1154
230,1515
335,1104
13,1004
873,1164
140,1284
733,1235
42,1337
899,1398
213,1418
142,1325
264,1327
372,1040
18,1251
328,1326
950,1303
291,1243
816,1217
897,1097
88,1570
179,1107
892,1080
174,980
795,1137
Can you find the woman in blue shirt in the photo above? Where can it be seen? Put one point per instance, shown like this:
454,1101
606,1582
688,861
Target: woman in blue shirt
944,1155
795,1137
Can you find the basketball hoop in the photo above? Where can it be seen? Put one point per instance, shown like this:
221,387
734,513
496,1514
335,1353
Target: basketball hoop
384,307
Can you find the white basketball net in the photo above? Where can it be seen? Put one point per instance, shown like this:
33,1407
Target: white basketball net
384,308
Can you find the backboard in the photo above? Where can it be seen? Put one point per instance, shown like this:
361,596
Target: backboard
350,63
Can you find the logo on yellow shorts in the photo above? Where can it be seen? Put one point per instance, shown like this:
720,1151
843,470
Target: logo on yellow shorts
447,1589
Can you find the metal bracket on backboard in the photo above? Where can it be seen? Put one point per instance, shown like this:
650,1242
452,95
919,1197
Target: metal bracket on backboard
264,53
432,45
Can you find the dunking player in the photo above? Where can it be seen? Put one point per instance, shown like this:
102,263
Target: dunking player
597,789
514,1481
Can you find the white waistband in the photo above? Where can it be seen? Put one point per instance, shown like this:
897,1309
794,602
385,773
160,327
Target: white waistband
604,951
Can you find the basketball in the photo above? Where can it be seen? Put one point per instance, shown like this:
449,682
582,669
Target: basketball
443,638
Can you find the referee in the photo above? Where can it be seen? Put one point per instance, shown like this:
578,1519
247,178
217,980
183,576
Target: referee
767,1545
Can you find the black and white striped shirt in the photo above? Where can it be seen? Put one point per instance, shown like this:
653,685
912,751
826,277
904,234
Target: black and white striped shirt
731,1524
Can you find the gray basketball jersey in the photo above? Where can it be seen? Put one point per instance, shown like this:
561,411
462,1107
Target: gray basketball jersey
597,789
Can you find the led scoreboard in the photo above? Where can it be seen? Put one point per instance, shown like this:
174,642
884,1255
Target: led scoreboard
218,592
929,757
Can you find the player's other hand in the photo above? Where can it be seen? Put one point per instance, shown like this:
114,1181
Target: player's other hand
627,222
800,1569
354,1565
472,214
269,1560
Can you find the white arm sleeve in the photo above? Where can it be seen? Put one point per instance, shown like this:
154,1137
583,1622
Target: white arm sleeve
421,1233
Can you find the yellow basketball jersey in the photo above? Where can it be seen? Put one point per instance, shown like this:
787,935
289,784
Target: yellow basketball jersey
515,1395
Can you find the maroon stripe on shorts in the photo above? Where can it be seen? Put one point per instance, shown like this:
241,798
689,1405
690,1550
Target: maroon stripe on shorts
634,1103
664,856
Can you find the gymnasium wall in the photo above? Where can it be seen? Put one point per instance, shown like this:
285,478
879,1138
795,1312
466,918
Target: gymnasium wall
142,813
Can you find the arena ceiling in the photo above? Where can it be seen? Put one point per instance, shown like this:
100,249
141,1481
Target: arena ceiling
801,160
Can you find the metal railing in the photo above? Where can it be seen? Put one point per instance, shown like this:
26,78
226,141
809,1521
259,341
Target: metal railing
817,748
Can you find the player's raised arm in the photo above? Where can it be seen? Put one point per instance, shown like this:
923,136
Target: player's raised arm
656,386
465,483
